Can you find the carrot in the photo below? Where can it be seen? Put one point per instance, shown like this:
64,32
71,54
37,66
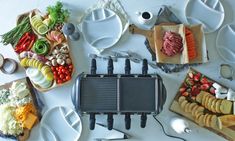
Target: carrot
192,54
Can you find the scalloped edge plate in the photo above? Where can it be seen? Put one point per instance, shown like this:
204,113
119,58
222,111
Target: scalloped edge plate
225,43
102,21
209,13
61,123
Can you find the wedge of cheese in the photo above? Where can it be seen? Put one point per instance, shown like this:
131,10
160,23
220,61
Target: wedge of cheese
30,121
227,120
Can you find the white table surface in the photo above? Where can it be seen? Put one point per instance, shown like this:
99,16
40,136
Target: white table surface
9,10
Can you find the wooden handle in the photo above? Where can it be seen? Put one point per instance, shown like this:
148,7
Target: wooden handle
135,30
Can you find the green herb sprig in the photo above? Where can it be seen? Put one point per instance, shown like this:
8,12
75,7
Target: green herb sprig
57,14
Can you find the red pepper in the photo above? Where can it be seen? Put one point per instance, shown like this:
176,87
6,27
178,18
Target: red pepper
26,42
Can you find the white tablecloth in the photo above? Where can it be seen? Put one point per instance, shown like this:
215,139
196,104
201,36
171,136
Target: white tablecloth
9,10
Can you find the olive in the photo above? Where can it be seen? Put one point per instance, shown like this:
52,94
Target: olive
75,36
68,28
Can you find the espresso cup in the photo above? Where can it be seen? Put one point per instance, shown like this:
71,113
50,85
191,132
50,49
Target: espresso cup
145,17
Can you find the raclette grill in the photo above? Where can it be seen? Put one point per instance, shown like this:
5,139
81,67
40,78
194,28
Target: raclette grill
118,94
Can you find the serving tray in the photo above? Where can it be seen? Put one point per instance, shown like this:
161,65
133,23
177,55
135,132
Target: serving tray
53,46
228,132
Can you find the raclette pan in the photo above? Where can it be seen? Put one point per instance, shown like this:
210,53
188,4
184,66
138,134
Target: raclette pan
98,94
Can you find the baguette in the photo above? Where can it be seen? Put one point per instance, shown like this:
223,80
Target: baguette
217,105
187,106
226,107
199,97
208,120
181,99
210,103
201,120
183,104
214,121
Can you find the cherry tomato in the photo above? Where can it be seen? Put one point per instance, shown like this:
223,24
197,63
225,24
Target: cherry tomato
67,72
63,70
54,72
53,68
61,67
61,76
70,66
68,78
59,81
55,77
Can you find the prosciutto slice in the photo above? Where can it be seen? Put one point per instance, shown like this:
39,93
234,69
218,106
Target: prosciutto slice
172,43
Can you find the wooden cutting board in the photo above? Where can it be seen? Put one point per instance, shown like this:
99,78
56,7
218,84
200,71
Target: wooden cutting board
227,132
154,43
26,80
52,45
149,34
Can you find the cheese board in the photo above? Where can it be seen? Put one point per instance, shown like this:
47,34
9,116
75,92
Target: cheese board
18,108
42,47
201,100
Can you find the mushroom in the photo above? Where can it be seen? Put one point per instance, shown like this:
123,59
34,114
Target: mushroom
54,62
59,56
68,61
60,61
48,63
50,58
56,51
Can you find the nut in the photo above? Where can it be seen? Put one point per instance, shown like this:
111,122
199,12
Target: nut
54,62
68,61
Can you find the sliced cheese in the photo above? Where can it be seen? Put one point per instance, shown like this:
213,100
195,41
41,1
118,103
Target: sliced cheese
29,121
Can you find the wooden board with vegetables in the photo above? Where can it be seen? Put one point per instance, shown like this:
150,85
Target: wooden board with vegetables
197,101
42,47
18,110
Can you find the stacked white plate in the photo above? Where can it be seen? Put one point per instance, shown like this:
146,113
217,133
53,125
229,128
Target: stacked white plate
225,43
61,124
209,13
102,28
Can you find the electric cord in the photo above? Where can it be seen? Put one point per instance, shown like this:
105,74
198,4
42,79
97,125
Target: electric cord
163,129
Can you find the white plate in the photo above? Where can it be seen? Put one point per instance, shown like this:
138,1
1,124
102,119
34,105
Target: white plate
209,13
59,124
102,28
225,42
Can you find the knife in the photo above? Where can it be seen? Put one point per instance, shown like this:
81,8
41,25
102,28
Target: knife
113,134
